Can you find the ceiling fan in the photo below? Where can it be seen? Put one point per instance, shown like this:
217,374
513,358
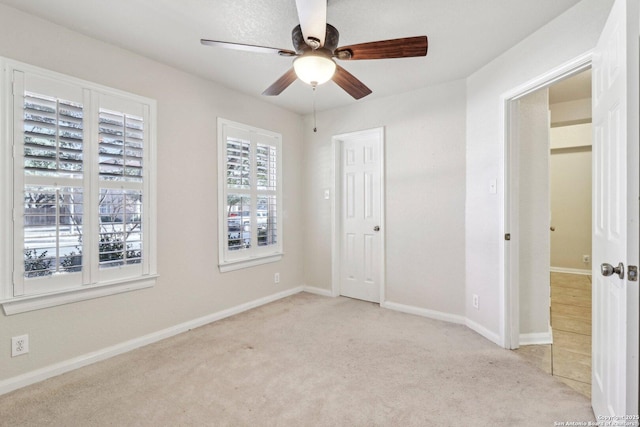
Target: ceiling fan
315,47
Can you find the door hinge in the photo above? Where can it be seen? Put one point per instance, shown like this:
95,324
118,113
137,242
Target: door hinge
507,236
632,273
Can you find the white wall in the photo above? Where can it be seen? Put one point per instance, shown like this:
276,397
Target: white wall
533,230
190,285
568,36
424,161
571,196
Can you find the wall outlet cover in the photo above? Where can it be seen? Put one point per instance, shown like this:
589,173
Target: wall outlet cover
19,345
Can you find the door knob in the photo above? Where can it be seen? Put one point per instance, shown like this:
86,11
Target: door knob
376,228
608,270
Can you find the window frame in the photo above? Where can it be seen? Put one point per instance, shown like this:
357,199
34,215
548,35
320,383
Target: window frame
91,282
255,255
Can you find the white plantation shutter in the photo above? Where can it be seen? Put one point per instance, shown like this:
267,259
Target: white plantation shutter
122,201
266,165
121,145
238,163
49,123
250,195
53,136
266,190
82,185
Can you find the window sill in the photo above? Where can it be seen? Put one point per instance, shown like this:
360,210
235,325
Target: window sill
37,302
250,262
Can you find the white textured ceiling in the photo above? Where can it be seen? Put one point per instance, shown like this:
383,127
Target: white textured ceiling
463,36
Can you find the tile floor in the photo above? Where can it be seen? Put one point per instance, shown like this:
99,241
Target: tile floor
569,357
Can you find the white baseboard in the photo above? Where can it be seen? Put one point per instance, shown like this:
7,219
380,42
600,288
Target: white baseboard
431,314
570,270
447,317
536,338
318,291
491,336
42,374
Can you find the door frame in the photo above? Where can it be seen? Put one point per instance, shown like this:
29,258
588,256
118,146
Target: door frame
336,206
509,269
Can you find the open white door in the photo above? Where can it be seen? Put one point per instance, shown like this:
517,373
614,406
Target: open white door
615,215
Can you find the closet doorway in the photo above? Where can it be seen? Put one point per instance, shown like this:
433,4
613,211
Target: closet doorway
558,182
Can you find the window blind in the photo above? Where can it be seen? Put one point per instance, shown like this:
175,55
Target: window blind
121,141
53,136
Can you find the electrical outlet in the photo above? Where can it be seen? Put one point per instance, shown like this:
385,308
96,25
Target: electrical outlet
476,302
276,278
19,345
586,259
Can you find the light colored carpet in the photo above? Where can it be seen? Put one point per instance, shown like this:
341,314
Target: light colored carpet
306,361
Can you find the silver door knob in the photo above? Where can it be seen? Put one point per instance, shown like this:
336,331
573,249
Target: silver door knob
609,270
376,228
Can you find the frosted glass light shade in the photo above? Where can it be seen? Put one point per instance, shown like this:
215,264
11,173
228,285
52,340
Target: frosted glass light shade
314,69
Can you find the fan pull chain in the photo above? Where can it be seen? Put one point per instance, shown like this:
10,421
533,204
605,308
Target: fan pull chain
315,128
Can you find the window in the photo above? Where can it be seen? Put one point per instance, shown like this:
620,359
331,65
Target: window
250,195
81,181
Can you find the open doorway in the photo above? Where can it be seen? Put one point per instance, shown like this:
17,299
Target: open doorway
615,209
555,190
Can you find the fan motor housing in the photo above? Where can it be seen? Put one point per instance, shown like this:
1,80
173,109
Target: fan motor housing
330,39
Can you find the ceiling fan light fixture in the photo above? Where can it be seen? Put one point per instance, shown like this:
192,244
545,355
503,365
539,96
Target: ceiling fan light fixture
314,69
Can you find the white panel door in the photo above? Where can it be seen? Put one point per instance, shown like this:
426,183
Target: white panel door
615,214
361,228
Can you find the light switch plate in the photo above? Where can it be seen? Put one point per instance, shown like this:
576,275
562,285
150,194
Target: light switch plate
493,186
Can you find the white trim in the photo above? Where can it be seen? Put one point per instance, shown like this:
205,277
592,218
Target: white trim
37,302
490,335
12,64
561,72
6,182
336,215
509,297
336,192
42,374
424,312
539,338
570,271
383,220
318,291
251,262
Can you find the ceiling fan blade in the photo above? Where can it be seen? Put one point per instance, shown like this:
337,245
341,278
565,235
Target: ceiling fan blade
397,48
312,15
350,83
247,47
281,84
